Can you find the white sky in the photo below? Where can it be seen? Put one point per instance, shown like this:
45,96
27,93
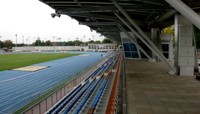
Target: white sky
30,19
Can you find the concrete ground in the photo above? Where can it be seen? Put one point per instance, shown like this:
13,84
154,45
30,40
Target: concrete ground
151,90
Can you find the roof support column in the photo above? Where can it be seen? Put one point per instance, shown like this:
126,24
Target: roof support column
186,11
152,47
155,38
134,41
185,49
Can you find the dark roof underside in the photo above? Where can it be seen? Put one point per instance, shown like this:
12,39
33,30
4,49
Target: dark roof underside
99,16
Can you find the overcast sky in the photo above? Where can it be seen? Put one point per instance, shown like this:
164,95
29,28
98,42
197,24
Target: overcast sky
30,19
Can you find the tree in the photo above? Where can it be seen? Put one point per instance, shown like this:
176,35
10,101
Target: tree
8,44
20,45
48,43
91,41
1,44
43,43
168,30
69,43
78,42
106,40
97,42
37,42
197,37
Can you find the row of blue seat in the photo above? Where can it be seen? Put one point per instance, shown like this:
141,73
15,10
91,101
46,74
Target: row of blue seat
93,74
59,106
115,61
100,91
82,103
69,100
98,95
98,71
65,99
76,90
79,96
106,65
115,65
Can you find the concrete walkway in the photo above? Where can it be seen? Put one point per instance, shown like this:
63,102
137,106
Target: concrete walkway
150,90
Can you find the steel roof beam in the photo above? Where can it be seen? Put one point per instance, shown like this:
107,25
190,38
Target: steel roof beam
186,11
107,3
99,23
146,2
110,32
114,38
106,30
106,9
153,48
121,2
166,15
104,17
77,2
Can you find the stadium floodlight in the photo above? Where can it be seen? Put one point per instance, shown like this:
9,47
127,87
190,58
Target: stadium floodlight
55,14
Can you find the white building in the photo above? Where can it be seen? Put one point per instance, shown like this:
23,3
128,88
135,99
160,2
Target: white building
102,47
90,47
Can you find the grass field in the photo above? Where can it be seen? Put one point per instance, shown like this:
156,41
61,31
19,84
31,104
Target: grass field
11,61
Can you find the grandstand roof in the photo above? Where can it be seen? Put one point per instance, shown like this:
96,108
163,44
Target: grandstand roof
99,16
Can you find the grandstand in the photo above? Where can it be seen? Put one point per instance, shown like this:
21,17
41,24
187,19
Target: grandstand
148,76
93,93
65,74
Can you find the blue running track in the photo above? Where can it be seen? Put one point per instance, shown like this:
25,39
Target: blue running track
17,88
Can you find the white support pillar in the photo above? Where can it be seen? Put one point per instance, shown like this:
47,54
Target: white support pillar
152,47
185,49
186,11
155,38
134,41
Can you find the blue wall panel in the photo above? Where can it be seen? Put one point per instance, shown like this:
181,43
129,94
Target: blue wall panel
130,50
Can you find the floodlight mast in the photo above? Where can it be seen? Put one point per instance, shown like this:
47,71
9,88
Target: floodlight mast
16,39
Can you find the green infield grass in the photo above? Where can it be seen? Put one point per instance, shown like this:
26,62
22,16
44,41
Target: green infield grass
11,61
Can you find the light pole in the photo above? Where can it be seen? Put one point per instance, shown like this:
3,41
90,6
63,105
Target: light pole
29,39
58,40
93,37
38,40
84,40
16,39
27,42
23,39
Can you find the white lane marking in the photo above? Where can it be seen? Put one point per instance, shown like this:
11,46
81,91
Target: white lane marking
32,73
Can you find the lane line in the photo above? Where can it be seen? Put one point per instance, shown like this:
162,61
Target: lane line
50,85
41,84
32,73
